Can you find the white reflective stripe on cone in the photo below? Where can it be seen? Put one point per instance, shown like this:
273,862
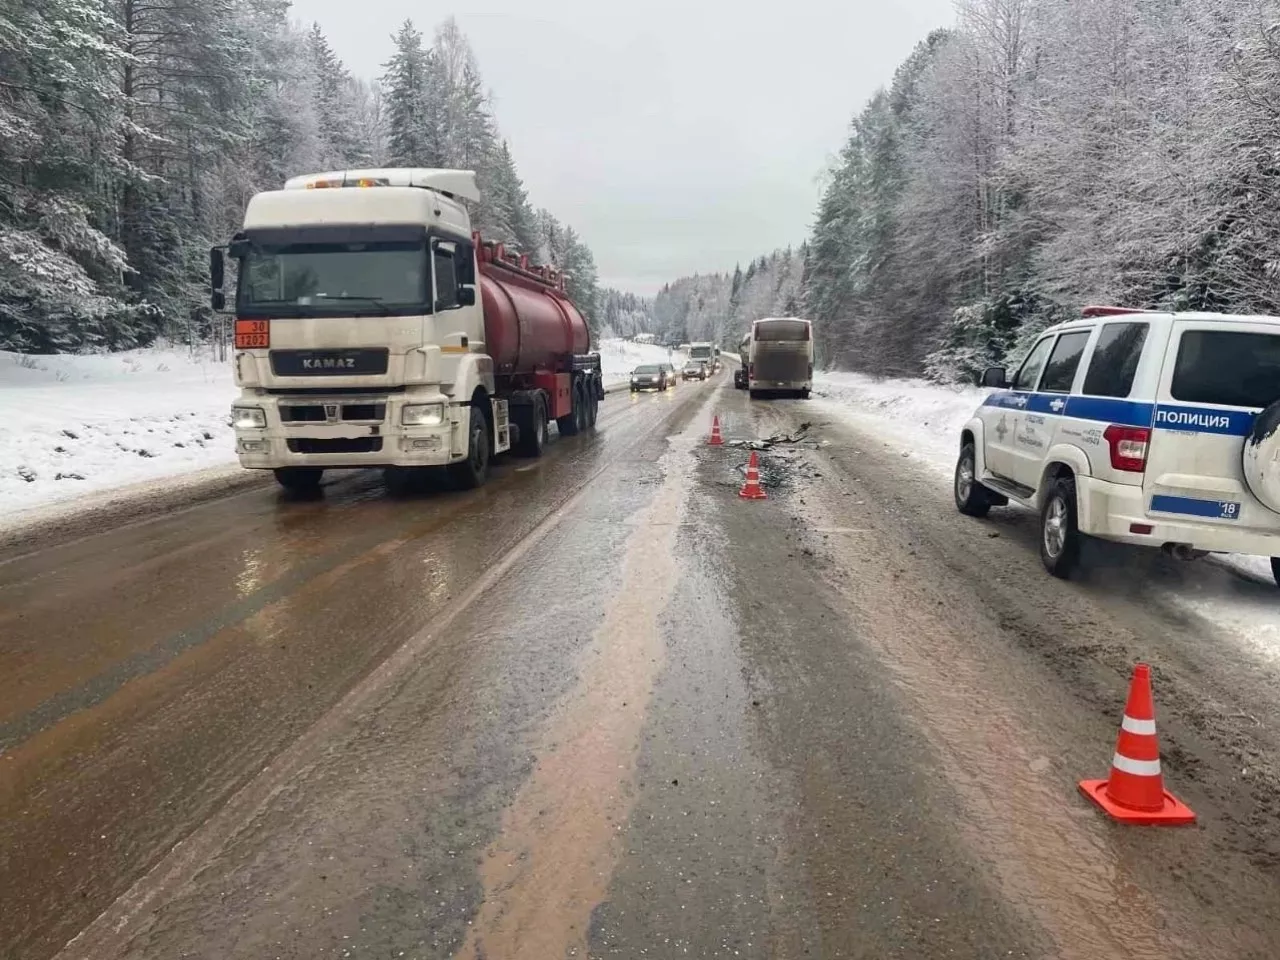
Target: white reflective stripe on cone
1146,727
1139,768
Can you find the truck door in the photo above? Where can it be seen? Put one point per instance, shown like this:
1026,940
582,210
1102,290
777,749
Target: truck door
1217,375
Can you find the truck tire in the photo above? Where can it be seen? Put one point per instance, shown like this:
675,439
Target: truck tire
533,428
1275,569
569,424
473,471
593,408
299,479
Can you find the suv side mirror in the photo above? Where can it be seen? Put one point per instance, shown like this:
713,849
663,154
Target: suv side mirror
217,278
466,296
995,377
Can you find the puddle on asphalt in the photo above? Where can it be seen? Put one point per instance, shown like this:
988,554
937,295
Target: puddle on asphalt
554,859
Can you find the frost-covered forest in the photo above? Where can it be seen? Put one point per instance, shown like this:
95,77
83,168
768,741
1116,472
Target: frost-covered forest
133,132
1044,154
721,306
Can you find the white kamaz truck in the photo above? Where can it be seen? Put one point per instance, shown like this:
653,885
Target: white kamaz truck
373,328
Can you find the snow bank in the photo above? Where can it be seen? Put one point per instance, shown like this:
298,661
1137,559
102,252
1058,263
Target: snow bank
924,420
78,424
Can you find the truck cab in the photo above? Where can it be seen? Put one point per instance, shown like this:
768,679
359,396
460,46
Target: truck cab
365,307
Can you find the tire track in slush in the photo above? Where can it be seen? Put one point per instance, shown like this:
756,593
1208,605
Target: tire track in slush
553,860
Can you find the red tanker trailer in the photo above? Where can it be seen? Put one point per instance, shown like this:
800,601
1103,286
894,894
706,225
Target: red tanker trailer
375,329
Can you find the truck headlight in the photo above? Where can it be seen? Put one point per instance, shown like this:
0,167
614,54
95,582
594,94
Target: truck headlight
248,418
422,414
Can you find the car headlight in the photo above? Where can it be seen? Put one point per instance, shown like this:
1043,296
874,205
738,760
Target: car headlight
422,414
248,418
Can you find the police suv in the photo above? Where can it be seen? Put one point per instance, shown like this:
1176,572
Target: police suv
1148,428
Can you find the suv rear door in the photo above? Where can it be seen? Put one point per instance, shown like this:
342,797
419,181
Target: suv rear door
1217,375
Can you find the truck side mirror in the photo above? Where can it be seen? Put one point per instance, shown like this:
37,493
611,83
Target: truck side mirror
217,278
466,296
997,377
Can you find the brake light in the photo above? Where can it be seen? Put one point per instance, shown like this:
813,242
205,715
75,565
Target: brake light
1128,447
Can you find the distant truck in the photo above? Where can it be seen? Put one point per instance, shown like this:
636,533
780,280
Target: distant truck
704,352
375,329
780,357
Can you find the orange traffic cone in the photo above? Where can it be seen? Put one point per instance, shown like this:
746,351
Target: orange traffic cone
1135,792
751,490
716,440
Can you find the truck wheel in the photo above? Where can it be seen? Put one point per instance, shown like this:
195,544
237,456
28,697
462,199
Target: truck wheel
474,470
568,424
593,409
299,479
1059,534
580,409
533,428
1275,569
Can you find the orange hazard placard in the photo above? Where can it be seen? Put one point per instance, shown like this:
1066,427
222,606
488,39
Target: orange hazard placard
253,333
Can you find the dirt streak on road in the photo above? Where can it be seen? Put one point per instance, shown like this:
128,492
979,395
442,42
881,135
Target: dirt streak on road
553,861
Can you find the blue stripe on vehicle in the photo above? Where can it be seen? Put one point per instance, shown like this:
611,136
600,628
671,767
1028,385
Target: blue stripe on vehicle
1230,423
1129,413
1192,507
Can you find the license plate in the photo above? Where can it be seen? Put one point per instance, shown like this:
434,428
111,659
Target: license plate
1195,507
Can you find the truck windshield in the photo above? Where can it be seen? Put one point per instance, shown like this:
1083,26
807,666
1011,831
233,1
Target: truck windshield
700,353
322,279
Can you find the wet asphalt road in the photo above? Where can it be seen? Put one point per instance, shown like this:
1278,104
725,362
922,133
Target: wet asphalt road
604,708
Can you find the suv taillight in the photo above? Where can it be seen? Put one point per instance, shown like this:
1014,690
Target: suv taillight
1128,447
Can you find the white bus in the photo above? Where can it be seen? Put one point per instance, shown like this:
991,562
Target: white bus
781,358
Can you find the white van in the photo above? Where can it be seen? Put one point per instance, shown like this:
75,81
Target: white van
1149,428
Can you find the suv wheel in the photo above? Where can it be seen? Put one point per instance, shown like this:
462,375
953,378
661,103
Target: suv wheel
971,496
1059,533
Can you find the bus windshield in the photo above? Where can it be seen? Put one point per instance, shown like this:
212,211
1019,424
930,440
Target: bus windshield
775,330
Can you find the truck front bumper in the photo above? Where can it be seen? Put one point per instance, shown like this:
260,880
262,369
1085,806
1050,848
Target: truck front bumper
351,443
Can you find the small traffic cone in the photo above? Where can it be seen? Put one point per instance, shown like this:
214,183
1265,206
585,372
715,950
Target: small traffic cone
751,490
716,440
1134,793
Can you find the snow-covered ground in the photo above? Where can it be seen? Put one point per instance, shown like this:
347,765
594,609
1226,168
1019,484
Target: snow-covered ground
79,424
925,419
84,424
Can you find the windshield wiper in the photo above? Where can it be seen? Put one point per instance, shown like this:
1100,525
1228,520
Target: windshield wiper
375,301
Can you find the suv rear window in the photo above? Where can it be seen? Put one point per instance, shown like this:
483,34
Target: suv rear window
1115,360
1227,367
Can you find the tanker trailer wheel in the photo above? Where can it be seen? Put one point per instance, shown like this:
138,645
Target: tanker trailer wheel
533,428
474,470
571,422
593,407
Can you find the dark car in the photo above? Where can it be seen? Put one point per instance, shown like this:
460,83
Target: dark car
650,376
693,370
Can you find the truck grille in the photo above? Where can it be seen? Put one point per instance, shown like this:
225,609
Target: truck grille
334,445
329,363
315,412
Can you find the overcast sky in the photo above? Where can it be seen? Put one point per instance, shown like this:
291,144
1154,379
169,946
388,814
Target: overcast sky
676,137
